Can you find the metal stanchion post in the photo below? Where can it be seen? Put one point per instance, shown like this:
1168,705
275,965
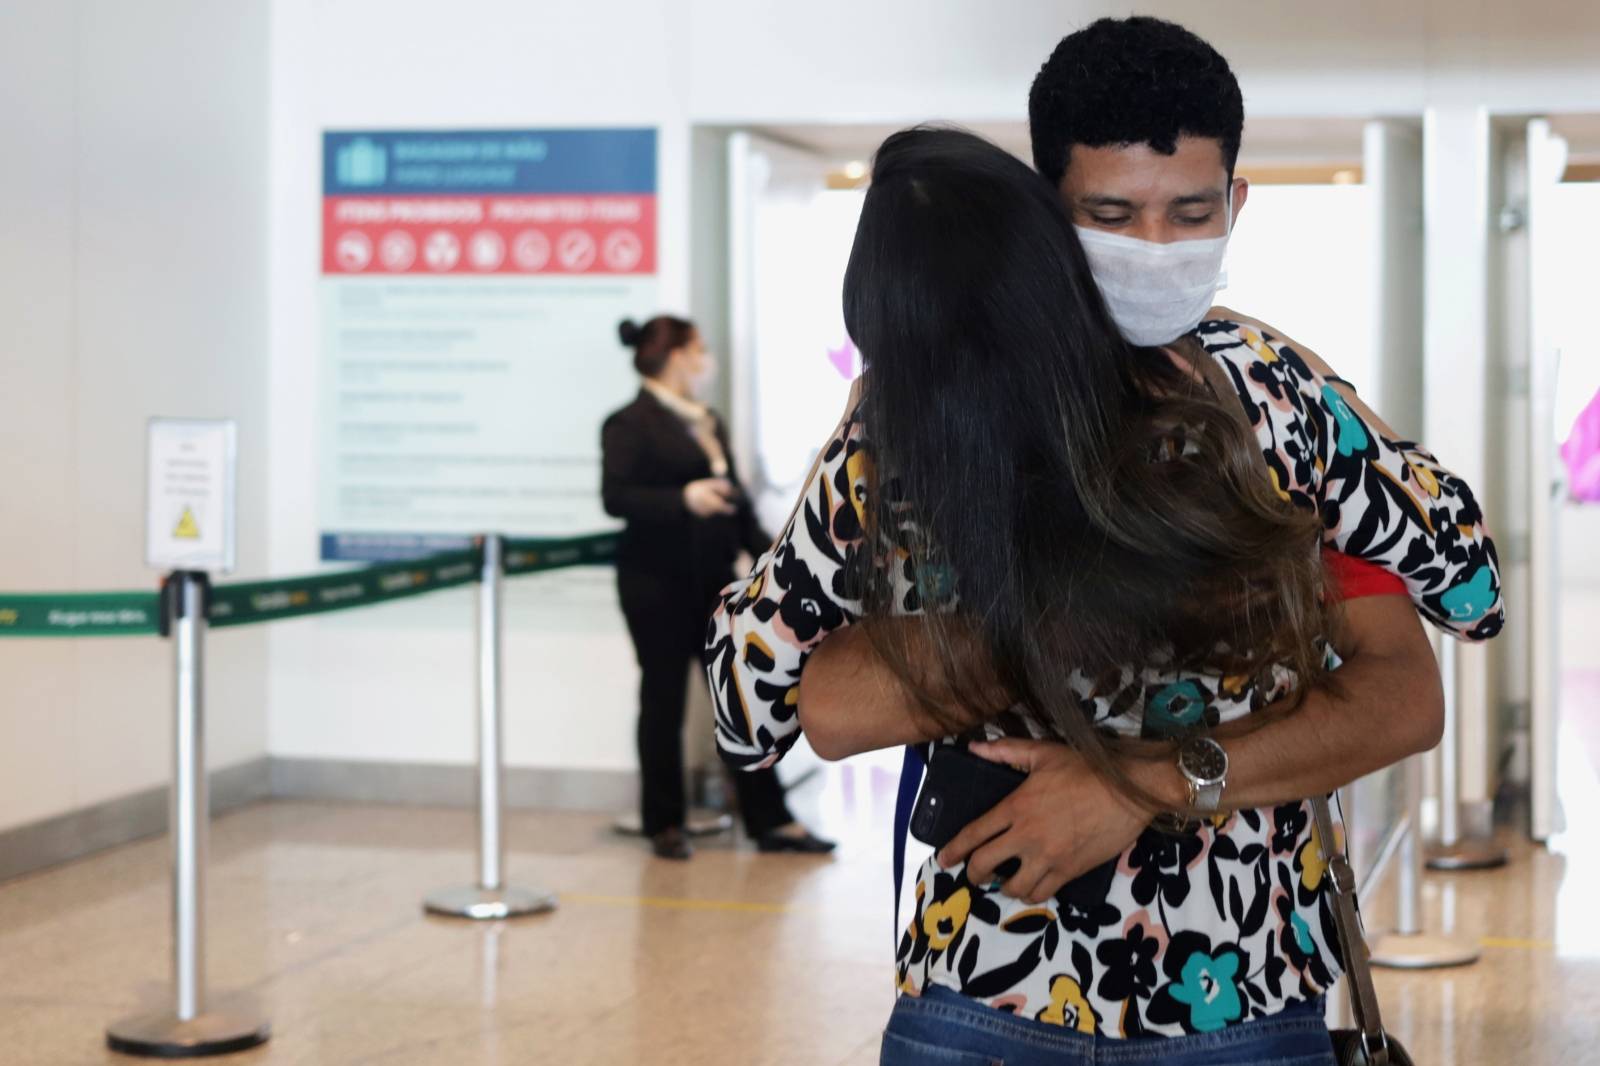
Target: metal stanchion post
490,898
1454,851
189,1030
1408,947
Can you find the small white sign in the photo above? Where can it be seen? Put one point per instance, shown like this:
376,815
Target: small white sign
190,494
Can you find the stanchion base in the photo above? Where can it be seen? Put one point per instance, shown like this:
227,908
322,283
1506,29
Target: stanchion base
1467,855
485,905
163,1036
1423,951
699,824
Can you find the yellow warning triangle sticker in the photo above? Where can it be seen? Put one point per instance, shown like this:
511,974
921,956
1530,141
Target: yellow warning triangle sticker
188,528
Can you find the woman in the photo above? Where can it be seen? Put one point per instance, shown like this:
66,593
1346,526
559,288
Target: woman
1051,533
666,470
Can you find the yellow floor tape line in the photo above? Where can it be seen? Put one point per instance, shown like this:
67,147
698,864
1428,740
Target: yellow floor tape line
1516,942
667,903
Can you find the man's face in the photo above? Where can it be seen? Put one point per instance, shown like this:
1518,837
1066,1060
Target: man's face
1138,192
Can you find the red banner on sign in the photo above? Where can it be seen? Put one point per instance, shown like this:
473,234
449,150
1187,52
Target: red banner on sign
577,234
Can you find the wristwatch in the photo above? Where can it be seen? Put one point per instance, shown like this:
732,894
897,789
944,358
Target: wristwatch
1204,765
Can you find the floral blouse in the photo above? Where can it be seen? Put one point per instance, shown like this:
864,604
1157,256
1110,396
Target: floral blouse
1224,924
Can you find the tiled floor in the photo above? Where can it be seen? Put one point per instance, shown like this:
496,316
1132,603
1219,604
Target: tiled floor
733,958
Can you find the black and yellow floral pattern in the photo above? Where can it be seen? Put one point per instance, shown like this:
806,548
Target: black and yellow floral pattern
1227,923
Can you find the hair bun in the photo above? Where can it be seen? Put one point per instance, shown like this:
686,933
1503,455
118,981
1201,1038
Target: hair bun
630,332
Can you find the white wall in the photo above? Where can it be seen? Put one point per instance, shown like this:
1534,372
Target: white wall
132,280
394,683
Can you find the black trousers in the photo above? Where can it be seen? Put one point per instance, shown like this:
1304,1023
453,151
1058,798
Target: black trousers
667,619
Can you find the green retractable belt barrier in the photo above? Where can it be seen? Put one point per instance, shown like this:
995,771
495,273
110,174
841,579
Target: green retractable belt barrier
79,614
111,614
246,602
530,555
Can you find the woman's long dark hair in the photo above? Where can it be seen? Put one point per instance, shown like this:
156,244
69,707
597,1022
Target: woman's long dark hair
1094,505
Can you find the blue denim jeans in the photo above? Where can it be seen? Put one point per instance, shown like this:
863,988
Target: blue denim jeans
945,1028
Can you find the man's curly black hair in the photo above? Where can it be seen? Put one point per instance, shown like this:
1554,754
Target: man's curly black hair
1132,81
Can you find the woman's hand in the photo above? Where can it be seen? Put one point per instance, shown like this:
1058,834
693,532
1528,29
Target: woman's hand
709,497
1060,823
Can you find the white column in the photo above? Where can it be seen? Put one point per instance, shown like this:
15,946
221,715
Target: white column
1547,159
1392,169
1457,358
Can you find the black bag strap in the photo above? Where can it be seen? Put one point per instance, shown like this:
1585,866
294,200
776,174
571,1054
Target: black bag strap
1352,939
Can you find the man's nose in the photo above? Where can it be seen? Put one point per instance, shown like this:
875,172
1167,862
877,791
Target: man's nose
1161,230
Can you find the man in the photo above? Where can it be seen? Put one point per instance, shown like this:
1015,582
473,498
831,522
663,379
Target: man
1137,123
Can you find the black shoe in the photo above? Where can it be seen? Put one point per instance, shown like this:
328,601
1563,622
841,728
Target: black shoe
805,844
671,844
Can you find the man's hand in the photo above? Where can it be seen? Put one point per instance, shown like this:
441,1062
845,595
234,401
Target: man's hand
1064,820
1060,823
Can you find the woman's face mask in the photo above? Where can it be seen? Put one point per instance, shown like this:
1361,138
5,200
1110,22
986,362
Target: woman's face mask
1156,292
701,373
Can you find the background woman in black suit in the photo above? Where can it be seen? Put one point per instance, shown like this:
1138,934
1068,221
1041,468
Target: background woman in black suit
666,471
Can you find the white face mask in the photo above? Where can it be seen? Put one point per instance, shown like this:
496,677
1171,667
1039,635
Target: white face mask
1156,292
701,380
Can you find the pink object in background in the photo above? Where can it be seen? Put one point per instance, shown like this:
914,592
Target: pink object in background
844,359
1581,453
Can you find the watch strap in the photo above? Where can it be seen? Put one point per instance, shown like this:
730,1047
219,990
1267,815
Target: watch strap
1205,799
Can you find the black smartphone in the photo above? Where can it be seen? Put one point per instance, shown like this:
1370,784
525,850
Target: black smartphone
959,788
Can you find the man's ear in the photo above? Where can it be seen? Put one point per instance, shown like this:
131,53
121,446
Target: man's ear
1241,193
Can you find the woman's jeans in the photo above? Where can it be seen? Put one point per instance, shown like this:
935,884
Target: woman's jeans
945,1028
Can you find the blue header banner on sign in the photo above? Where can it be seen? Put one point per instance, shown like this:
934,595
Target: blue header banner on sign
388,547
484,162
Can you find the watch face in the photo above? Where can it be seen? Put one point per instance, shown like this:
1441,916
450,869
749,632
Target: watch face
1203,761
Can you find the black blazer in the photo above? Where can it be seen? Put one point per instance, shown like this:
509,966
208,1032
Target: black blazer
647,456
